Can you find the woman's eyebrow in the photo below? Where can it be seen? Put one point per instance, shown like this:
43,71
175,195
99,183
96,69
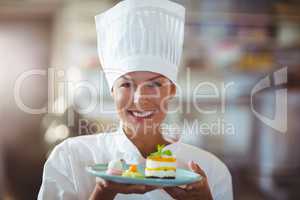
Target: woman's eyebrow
151,79
130,79
127,78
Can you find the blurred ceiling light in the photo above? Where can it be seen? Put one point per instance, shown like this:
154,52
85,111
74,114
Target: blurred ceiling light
56,133
288,34
225,54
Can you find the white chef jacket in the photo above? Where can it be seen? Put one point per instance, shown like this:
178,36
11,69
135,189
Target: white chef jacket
65,176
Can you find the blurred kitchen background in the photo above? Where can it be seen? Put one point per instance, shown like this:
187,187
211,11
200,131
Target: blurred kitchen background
239,41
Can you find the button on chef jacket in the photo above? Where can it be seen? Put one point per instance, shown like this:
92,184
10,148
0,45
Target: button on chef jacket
65,176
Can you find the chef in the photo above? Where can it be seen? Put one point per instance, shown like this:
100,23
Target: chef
140,45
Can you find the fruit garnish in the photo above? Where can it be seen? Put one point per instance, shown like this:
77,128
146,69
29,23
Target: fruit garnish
133,168
167,152
160,152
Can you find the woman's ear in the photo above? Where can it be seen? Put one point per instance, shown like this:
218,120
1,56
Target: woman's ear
173,91
112,92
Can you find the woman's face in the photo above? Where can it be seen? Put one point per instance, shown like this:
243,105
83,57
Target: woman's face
141,99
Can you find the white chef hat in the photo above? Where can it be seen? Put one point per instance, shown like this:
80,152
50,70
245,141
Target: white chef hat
141,35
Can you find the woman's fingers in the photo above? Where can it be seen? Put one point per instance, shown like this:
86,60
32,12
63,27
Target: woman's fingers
125,188
196,168
138,189
192,186
176,192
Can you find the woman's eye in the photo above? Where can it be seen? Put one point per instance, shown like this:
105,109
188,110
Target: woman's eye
154,84
126,85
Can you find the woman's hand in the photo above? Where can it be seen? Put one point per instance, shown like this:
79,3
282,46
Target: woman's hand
197,190
107,190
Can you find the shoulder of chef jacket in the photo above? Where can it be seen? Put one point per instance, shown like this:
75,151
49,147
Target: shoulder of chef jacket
65,176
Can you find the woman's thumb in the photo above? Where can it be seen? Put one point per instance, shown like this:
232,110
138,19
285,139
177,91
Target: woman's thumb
196,168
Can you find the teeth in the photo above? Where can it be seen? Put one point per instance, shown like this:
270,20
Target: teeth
143,114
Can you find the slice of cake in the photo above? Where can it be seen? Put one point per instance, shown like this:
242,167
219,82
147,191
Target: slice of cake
161,164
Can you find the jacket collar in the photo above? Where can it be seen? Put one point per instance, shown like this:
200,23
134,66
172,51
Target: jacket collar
127,149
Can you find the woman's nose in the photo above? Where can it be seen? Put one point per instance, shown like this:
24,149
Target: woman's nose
139,95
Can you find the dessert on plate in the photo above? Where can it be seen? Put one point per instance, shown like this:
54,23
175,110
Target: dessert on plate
161,164
115,167
132,172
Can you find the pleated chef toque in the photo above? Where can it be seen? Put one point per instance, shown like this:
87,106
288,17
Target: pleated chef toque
141,35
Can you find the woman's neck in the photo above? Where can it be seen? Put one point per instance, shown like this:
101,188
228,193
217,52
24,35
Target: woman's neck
145,140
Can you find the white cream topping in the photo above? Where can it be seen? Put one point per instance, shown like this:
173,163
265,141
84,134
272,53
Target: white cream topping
154,164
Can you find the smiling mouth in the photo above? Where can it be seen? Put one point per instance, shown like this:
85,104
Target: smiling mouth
141,114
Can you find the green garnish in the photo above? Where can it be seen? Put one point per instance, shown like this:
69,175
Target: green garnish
167,152
160,151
